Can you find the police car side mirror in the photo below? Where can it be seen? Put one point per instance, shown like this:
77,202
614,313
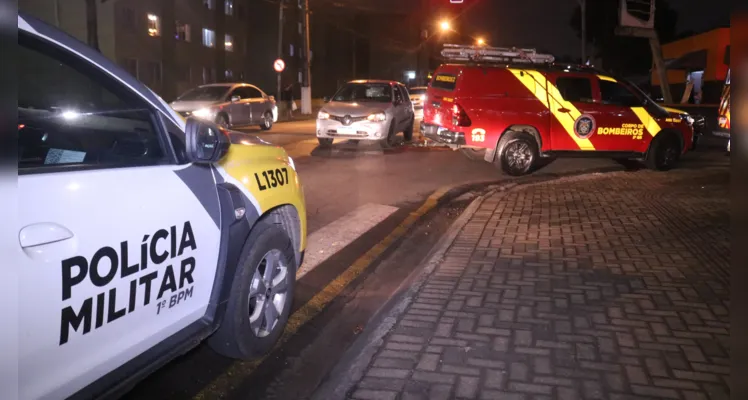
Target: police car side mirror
205,142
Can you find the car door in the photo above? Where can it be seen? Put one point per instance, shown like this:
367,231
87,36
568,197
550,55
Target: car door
622,119
240,109
572,105
257,104
400,108
116,248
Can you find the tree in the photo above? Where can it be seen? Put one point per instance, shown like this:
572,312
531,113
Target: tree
622,55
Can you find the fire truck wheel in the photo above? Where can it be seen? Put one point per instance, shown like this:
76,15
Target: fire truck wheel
664,152
518,153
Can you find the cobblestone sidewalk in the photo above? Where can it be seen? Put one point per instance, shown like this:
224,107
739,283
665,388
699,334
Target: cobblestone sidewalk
608,286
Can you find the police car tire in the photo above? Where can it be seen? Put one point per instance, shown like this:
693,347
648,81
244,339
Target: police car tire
325,142
408,132
235,338
656,157
510,138
267,123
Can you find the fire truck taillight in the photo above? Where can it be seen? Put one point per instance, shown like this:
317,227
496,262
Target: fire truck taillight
459,116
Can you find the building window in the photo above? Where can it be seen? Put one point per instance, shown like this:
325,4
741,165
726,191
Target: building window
154,25
131,66
183,32
229,74
410,74
228,6
209,38
301,76
229,42
209,4
152,74
128,19
290,50
299,28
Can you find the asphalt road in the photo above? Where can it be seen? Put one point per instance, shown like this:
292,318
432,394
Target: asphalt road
356,195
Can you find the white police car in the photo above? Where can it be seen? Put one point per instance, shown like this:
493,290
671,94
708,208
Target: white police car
139,233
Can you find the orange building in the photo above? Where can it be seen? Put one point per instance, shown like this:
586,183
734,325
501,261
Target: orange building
703,59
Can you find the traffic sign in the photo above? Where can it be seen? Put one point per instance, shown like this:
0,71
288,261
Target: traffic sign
279,65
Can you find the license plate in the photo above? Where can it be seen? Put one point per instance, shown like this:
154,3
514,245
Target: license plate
345,130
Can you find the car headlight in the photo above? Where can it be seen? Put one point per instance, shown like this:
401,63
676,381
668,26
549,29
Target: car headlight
323,115
204,113
689,119
377,117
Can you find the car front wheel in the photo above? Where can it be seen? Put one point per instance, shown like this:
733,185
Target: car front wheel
261,295
664,153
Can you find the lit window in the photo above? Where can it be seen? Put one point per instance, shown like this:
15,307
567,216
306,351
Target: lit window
209,4
229,7
290,50
410,74
229,74
300,77
154,25
183,32
209,38
229,42
299,28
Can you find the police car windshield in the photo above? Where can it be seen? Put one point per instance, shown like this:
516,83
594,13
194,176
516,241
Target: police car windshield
361,92
205,93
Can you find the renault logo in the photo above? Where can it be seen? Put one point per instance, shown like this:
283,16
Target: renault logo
347,120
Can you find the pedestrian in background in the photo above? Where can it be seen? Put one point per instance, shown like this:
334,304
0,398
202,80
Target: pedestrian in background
288,99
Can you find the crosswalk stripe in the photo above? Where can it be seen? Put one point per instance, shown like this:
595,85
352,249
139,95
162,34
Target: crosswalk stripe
330,239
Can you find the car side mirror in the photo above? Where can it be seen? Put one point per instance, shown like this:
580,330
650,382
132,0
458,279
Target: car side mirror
235,99
205,142
326,99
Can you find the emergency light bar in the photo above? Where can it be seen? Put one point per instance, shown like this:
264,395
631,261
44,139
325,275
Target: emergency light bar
457,52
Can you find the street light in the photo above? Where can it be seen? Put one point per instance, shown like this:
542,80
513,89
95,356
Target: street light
481,42
445,26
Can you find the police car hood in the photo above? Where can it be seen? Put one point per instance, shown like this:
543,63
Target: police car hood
354,109
182,106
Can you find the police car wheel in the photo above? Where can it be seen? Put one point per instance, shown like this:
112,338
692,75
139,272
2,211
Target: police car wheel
519,153
325,142
267,121
408,132
261,295
664,153
223,121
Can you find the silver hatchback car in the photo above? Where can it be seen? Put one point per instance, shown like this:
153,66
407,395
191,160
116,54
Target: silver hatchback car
367,110
229,105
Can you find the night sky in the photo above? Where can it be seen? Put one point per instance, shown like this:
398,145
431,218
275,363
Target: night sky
545,23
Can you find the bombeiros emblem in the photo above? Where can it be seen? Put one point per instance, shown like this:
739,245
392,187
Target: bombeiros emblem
584,126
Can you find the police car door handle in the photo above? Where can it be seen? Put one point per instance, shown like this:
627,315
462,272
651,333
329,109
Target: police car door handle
564,110
43,233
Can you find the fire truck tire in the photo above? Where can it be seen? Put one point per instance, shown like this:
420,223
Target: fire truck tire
518,153
663,152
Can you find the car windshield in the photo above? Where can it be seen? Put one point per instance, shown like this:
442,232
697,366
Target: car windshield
646,99
417,91
204,93
353,92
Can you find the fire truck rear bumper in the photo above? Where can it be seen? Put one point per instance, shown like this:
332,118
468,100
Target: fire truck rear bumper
441,135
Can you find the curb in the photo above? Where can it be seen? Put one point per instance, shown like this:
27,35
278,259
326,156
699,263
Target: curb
356,360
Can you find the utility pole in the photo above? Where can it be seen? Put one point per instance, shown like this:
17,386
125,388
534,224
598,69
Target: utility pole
280,49
583,6
306,85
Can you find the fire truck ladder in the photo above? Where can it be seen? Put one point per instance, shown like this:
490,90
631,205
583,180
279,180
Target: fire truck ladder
456,52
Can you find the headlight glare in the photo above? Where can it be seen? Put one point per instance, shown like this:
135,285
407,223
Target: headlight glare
204,113
377,117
